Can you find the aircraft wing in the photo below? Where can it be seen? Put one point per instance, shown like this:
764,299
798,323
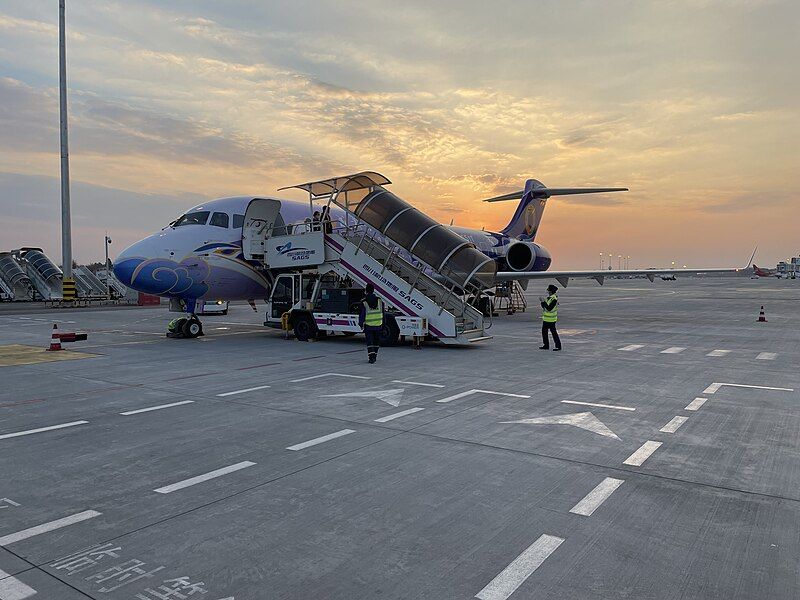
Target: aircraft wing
563,277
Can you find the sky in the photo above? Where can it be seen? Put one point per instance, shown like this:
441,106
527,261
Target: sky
694,105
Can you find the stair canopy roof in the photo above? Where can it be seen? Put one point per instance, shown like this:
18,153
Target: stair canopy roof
346,183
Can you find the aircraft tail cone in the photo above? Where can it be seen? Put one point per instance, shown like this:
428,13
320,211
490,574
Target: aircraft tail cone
762,318
55,340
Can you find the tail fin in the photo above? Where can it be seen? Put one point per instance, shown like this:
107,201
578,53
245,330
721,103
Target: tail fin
525,222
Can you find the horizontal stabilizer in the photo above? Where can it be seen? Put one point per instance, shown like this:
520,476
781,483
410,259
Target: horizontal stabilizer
545,192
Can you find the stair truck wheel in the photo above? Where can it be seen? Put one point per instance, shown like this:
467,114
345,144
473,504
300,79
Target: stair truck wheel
304,327
390,332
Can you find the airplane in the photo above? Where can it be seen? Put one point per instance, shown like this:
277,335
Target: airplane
764,272
199,256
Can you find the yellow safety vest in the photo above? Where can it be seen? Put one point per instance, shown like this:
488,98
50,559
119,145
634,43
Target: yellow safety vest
373,317
550,316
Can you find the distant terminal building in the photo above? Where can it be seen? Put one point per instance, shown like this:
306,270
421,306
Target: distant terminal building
789,268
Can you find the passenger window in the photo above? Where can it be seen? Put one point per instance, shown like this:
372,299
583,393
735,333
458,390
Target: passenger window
238,221
219,219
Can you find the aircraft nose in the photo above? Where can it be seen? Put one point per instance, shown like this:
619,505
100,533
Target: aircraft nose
126,263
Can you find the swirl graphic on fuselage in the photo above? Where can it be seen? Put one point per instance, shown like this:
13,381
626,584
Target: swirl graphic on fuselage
165,277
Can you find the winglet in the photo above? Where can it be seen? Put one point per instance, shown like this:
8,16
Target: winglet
750,262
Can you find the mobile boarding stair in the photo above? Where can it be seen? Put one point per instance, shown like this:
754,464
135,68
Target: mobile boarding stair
13,279
6,293
45,276
88,283
418,267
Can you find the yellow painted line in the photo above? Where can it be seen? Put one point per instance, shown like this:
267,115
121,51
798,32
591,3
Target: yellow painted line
18,354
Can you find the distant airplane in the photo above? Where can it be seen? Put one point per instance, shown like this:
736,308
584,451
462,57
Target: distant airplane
199,256
764,272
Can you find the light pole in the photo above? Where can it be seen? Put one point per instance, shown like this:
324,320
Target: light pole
628,263
619,262
67,282
108,272
601,261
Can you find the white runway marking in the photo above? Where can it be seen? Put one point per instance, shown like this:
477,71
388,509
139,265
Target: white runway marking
642,454
615,407
42,429
205,477
584,420
715,386
244,391
767,356
435,385
592,501
673,350
470,392
328,375
391,397
631,347
46,527
159,407
695,404
718,353
12,588
321,440
674,424
402,413
522,567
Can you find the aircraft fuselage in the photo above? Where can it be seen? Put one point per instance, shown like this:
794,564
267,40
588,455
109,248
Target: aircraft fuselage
200,257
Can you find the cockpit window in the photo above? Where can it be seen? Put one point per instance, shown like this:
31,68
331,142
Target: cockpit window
238,221
219,219
193,218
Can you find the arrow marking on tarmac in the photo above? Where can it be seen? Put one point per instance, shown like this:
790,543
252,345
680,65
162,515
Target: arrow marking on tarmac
582,420
391,397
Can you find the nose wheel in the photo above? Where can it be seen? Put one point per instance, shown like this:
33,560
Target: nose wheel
193,327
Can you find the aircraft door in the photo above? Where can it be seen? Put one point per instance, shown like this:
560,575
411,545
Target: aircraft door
262,218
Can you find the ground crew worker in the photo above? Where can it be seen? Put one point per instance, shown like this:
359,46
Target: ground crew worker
175,327
371,320
549,318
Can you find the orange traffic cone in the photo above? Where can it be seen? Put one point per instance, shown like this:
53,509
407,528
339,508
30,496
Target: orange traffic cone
762,318
55,341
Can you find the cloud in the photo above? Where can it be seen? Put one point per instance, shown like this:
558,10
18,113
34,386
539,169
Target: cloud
686,103
31,210
761,201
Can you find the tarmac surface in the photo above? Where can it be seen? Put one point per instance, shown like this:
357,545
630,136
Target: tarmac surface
657,456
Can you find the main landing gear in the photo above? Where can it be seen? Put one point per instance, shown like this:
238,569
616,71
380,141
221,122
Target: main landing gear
185,327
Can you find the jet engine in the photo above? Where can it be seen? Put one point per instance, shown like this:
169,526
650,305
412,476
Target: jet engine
521,256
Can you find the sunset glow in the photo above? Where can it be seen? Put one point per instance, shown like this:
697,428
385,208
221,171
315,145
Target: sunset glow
692,105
